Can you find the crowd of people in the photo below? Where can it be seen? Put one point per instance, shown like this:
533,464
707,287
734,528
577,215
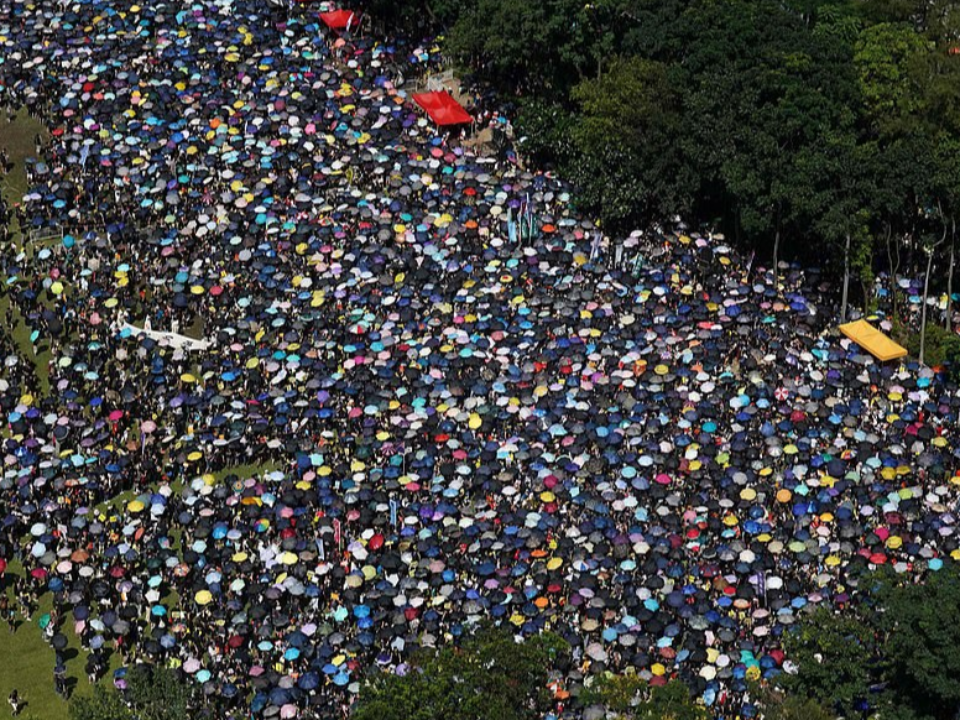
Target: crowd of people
370,413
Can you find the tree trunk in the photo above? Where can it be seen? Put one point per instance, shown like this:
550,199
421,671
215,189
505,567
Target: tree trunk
892,269
776,260
926,288
948,321
923,311
846,280
776,252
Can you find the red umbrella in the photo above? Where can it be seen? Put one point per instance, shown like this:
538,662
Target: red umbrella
3,566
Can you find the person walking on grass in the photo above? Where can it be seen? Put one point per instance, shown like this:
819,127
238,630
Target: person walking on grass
16,702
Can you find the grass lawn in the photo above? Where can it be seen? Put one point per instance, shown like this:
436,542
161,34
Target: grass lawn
27,665
26,661
17,138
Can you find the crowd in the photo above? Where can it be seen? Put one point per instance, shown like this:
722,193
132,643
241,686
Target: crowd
648,445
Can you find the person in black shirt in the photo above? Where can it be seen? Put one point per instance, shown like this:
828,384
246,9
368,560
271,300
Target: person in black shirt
16,703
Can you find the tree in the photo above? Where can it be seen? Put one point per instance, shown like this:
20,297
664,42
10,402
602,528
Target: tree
888,58
491,677
627,161
946,159
629,697
838,173
837,658
153,694
542,47
775,704
762,91
897,656
922,635
102,705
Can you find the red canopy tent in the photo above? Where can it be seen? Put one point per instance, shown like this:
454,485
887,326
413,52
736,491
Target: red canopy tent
442,108
340,19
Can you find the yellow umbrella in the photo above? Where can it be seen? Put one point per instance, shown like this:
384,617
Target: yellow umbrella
135,506
288,558
203,597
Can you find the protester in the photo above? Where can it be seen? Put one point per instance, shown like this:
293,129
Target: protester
463,402
16,703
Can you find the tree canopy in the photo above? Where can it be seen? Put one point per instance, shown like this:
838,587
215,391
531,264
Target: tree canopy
151,694
489,677
896,656
824,129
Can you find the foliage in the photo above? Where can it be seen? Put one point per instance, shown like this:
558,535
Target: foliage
941,347
888,57
628,697
152,693
830,124
103,705
626,122
490,676
545,131
922,635
837,660
897,658
775,704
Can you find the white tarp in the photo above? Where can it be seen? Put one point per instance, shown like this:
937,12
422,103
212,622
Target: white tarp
171,339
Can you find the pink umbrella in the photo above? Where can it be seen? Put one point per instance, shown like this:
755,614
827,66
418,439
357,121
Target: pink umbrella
288,711
355,412
148,426
191,665
115,415
662,479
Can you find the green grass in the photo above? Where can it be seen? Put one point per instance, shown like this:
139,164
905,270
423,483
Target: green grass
17,138
20,333
26,661
27,664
